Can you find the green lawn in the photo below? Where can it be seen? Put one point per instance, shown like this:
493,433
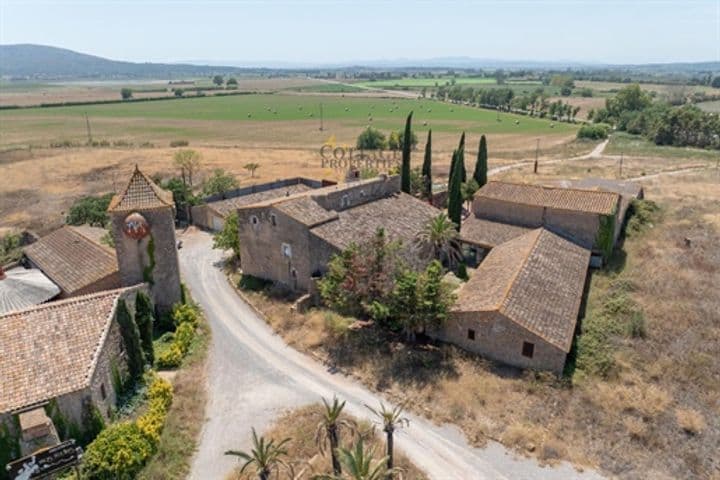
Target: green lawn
350,111
636,145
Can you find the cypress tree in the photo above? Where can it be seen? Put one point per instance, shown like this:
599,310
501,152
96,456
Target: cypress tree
461,153
481,166
131,339
407,143
455,192
427,167
144,318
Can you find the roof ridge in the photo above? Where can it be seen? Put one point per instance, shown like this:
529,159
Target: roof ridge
103,337
71,300
551,187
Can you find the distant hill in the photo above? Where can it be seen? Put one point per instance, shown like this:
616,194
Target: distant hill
43,62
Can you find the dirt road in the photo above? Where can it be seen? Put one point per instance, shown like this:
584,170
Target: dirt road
253,375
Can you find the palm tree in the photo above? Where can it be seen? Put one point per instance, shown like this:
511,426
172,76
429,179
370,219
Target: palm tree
328,430
440,238
265,455
391,419
360,464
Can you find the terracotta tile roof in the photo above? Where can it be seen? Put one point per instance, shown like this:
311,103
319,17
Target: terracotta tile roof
226,207
593,201
401,215
535,280
140,193
51,349
71,260
306,210
487,233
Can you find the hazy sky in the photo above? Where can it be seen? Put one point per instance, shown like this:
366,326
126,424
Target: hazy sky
632,31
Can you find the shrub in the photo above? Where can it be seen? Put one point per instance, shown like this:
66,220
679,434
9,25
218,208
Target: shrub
185,313
336,325
179,143
643,214
10,248
593,132
371,139
159,399
169,358
691,421
184,336
91,210
119,452
252,284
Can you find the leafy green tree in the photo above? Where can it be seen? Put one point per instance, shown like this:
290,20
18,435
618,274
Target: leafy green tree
391,419
126,93
393,142
232,83
251,167
229,238
461,158
91,210
405,173
266,456
179,92
481,166
219,183
188,161
455,192
10,248
715,82
131,338
468,190
371,139
218,80
328,430
182,193
427,168
440,240
145,318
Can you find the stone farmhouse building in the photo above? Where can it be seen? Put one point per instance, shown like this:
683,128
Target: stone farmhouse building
503,210
212,213
290,239
62,352
521,305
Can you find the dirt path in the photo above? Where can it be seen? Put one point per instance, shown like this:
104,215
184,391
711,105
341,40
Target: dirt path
668,173
596,152
253,375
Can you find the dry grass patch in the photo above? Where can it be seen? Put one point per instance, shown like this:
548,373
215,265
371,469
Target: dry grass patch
300,425
691,421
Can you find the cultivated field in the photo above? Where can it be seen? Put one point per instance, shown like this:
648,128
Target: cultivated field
263,120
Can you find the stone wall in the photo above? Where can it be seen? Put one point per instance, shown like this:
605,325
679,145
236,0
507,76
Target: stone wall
508,212
500,339
581,228
135,255
359,193
262,247
109,282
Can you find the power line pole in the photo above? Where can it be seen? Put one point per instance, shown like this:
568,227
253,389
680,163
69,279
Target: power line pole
537,154
87,124
321,118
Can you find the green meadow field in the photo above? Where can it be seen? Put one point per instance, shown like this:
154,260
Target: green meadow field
259,119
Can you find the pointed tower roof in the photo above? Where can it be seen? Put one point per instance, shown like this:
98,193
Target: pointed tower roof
141,193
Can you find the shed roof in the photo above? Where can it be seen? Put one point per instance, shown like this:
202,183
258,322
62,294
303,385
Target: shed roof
71,260
140,193
535,280
487,233
592,201
52,349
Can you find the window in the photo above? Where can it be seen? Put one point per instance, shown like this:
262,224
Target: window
286,250
344,201
471,334
273,220
528,349
362,193
254,220
102,391
293,272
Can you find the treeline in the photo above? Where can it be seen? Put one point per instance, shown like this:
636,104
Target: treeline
633,110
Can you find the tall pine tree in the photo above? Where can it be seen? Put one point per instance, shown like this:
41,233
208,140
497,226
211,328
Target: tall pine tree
131,339
455,191
407,144
144,318
461,163
481,166
427,167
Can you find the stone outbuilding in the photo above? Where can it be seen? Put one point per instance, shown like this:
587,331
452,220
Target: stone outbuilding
74,259
291,239
67,353
521,305
589,218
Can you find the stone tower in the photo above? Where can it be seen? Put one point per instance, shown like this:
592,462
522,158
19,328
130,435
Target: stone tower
143,228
